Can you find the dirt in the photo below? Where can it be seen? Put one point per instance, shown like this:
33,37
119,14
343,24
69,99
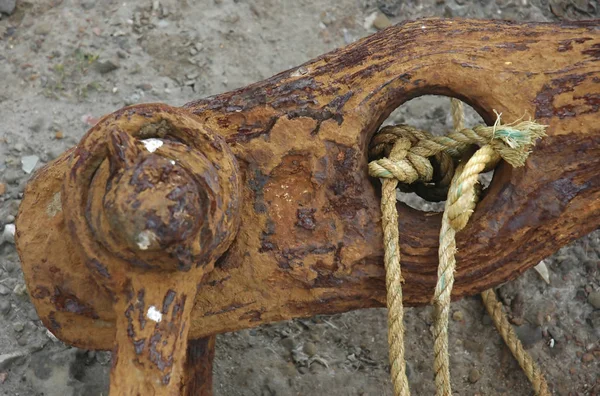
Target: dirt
64,63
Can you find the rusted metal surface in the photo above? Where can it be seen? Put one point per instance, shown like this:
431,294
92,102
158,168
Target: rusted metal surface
153,201
199,367
309,237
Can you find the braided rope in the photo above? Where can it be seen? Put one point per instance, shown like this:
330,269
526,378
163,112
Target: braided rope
408,153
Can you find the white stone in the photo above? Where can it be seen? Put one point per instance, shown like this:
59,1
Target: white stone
51,336
543,271
8,235
29,162
369,20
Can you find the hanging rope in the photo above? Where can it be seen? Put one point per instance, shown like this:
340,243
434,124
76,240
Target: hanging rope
409,153
533,373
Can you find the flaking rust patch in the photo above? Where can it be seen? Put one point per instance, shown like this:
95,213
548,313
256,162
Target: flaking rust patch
55,206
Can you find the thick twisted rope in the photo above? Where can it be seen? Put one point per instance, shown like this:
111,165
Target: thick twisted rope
408,152
459,206
393,275
458,215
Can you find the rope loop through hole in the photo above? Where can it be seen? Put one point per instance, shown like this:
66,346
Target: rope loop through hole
444,166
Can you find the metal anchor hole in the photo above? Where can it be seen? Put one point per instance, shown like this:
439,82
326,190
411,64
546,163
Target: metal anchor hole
430,113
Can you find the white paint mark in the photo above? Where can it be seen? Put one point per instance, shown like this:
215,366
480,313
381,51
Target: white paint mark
55,206
299,72
152,144
154,314
145,239
172,162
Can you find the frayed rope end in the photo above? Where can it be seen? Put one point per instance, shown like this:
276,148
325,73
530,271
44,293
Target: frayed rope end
520,136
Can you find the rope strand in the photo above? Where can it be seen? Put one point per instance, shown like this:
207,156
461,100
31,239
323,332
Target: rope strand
533,373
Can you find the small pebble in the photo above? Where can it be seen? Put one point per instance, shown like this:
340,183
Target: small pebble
106,66
4,290
381,21
474,375
288,343
43,28
310,349
457,316
59,135
4,307
3,377
18,327
594,299
20,290
290,370
144,86
587,357
2,188
8,235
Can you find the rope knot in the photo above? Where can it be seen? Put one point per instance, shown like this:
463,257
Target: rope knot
409,155
427,163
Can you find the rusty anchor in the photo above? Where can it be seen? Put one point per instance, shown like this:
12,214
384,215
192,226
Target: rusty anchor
166,226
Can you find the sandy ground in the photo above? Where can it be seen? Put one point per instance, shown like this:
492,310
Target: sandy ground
63,63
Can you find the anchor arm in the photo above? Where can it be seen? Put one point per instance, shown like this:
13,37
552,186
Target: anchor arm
309,240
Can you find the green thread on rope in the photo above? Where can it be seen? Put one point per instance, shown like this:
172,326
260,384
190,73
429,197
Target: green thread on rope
513,137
